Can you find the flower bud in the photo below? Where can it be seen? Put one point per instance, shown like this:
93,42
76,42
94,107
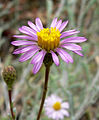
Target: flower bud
9,76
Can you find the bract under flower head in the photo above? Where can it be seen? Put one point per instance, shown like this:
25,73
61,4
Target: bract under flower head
38,42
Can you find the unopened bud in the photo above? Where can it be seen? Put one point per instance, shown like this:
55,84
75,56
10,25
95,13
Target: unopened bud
9,76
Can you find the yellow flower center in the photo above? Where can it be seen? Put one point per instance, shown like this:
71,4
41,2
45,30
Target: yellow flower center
57,106
49,38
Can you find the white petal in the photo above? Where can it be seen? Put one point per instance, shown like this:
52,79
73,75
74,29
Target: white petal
64,112
65,105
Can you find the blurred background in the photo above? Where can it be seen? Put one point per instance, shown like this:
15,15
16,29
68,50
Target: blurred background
77,83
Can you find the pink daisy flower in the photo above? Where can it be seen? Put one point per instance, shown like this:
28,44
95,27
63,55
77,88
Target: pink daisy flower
39,42
55,108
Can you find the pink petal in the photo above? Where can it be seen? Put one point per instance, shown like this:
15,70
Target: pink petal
28,55
72,47
22,42
66,57
55,58
33,26
58,24
62,55
38,65
25,32
38,57
24,37
54,22
74,40
78,52
23,49
28,33
39,23
29,30
63,25
69,33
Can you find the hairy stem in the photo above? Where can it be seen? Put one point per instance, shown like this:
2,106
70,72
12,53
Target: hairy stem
11,104
44,92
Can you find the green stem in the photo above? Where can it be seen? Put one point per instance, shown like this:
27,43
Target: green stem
44,92
11,104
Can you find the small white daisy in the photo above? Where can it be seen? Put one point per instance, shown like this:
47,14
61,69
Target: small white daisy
55,108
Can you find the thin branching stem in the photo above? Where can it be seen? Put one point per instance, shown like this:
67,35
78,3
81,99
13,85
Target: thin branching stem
44,92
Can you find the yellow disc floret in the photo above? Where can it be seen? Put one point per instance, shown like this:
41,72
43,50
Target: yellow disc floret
57,106
49,38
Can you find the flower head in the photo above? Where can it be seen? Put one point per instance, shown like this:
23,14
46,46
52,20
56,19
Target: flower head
55,108
39,42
